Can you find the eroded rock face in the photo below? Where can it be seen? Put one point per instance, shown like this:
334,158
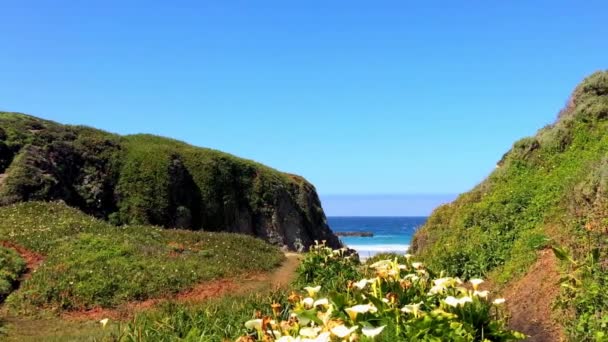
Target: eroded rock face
145,179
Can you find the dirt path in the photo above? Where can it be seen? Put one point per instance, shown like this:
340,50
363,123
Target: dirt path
32,260
278,278
531,297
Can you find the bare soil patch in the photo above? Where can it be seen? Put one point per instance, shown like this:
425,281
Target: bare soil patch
32,259
530,300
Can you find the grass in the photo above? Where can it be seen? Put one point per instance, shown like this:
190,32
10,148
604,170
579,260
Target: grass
90,263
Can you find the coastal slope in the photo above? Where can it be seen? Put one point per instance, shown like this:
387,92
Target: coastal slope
549,190
144,179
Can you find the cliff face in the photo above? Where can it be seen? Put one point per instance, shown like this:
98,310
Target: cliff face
552,187
144,179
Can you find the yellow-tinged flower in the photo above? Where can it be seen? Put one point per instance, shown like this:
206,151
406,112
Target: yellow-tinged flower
104,322
381,264
408,256
342,331
312,291
476,282
254,324
413,309
322,302
499,301
359,309
276,308
372,332
417,265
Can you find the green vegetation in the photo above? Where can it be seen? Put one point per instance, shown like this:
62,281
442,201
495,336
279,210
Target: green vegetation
549,189
145,179
11,267
90,263
404,300
392,302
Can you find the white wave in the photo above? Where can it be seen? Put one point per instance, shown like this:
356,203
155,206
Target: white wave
371,250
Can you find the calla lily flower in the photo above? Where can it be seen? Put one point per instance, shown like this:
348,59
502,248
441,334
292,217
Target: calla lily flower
254,324
312,291
482,294
416,265
359,309
455,302
322,302
361,284
104,322
499,301
308,302
414,309
309,332
342,331
476,282
372,332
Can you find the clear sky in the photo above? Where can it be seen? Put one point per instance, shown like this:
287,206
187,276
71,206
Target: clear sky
360,97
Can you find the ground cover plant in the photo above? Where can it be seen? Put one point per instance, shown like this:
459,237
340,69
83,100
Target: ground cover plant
90,263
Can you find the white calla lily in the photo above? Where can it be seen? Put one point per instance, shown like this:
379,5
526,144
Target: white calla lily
371,331
254,324
342,331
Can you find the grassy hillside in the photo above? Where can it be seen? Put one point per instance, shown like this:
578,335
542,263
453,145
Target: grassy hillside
145,179
549,189
90,263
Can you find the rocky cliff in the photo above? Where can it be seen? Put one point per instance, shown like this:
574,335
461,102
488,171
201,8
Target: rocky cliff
145,179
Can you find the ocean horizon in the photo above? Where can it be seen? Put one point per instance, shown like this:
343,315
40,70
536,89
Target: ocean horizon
391,233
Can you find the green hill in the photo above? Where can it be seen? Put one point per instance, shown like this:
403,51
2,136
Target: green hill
549,189
89,263
145,179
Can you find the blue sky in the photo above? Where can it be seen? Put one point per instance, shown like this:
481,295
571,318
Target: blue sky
360,97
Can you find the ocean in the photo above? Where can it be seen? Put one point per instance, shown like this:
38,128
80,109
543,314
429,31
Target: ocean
391,234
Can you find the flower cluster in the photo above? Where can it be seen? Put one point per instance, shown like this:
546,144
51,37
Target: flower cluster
392,301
